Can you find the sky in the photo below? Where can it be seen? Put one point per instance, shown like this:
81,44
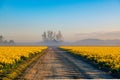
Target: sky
26,20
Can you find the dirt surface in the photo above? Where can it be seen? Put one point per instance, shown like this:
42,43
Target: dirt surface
58,64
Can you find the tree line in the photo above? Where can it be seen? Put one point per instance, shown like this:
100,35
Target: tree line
2,41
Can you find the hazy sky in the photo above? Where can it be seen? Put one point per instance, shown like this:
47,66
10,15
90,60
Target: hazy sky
25,20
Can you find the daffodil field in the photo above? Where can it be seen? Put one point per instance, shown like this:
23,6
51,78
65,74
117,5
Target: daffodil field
105,57
11,56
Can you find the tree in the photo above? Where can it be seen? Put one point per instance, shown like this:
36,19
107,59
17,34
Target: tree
1,39
51,36
5,41
59,36
44,36
11,42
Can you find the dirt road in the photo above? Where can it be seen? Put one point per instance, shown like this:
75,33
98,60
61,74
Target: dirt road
58,64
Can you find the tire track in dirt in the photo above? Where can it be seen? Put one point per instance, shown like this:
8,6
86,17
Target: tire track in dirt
58,64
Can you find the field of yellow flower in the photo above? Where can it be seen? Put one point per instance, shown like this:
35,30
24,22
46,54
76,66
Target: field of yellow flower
108,57
10,56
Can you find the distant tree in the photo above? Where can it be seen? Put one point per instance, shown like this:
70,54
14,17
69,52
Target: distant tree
59,36
1,39
11,42
51,36
44,36
6,42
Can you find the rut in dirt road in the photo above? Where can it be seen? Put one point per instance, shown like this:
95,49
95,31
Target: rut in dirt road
58,64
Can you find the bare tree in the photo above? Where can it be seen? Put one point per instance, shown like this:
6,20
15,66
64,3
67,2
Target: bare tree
51,36
59,36
44,36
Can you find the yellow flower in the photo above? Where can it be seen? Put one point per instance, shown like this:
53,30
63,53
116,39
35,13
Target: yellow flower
110,55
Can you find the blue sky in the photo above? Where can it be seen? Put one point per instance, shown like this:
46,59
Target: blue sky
25,20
